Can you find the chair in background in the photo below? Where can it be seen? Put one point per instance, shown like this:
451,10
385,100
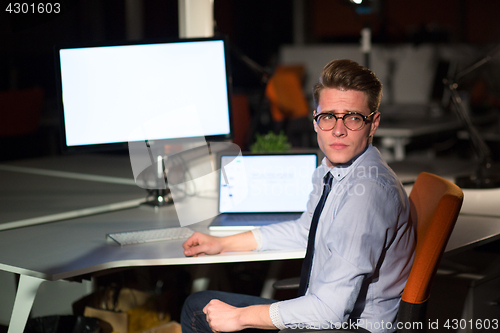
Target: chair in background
288,104
434,206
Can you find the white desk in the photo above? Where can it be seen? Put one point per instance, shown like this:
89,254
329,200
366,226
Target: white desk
66,249
74,247
50,189
66,206
471,231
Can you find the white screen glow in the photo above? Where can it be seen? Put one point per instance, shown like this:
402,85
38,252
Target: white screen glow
112,93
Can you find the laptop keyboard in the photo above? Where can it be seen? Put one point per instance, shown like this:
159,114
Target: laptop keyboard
152,235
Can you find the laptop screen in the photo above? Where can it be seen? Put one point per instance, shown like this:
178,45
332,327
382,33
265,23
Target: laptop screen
266,183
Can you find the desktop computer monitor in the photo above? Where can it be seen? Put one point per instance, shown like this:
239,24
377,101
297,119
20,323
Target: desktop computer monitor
111,95
145,96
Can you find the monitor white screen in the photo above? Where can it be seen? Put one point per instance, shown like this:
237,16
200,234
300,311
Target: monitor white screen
168,90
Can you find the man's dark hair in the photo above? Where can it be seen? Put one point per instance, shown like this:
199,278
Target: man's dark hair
349,75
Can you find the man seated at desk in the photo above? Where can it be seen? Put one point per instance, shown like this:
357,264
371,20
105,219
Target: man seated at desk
360,252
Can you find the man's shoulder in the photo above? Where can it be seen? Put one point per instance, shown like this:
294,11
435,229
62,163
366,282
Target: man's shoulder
372,169
372,166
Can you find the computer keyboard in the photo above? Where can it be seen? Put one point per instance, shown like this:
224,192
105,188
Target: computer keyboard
151,235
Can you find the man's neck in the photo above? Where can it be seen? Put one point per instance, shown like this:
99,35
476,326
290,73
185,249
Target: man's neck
346,164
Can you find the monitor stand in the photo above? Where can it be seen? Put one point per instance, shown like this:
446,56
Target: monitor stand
160,198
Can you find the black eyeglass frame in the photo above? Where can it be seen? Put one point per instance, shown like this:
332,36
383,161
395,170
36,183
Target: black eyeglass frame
343,119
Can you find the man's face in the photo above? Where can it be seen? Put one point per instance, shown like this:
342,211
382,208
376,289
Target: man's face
340,144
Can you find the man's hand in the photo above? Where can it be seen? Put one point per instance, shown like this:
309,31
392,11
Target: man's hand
200,244
223,317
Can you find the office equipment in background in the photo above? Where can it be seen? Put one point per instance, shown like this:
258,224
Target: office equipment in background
288,104
487,173
145,96
151,235
256,190
113,94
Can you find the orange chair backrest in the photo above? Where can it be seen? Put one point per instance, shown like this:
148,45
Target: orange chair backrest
285,94
434,206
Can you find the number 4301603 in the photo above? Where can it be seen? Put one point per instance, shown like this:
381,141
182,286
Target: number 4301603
33,8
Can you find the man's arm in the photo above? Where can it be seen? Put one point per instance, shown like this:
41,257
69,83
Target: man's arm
226,318
223,317
200,244
354,242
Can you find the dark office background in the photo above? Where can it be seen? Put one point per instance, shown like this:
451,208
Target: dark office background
256,27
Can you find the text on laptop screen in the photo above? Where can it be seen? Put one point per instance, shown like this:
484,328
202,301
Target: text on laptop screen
266,183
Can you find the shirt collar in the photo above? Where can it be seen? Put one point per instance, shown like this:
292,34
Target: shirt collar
340,171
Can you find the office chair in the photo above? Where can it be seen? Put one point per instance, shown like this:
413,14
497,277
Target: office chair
288,104
285,94
434,206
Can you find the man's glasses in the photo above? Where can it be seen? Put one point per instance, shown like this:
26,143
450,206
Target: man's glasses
352,120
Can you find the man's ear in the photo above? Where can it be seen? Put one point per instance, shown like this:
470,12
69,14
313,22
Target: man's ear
315,125
374,123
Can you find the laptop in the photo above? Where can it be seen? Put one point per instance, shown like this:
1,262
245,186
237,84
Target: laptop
260,189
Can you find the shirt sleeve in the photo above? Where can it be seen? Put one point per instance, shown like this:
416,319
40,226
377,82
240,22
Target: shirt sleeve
350,248
258,238
275,317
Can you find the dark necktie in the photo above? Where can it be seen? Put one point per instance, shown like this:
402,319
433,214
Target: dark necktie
307,263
